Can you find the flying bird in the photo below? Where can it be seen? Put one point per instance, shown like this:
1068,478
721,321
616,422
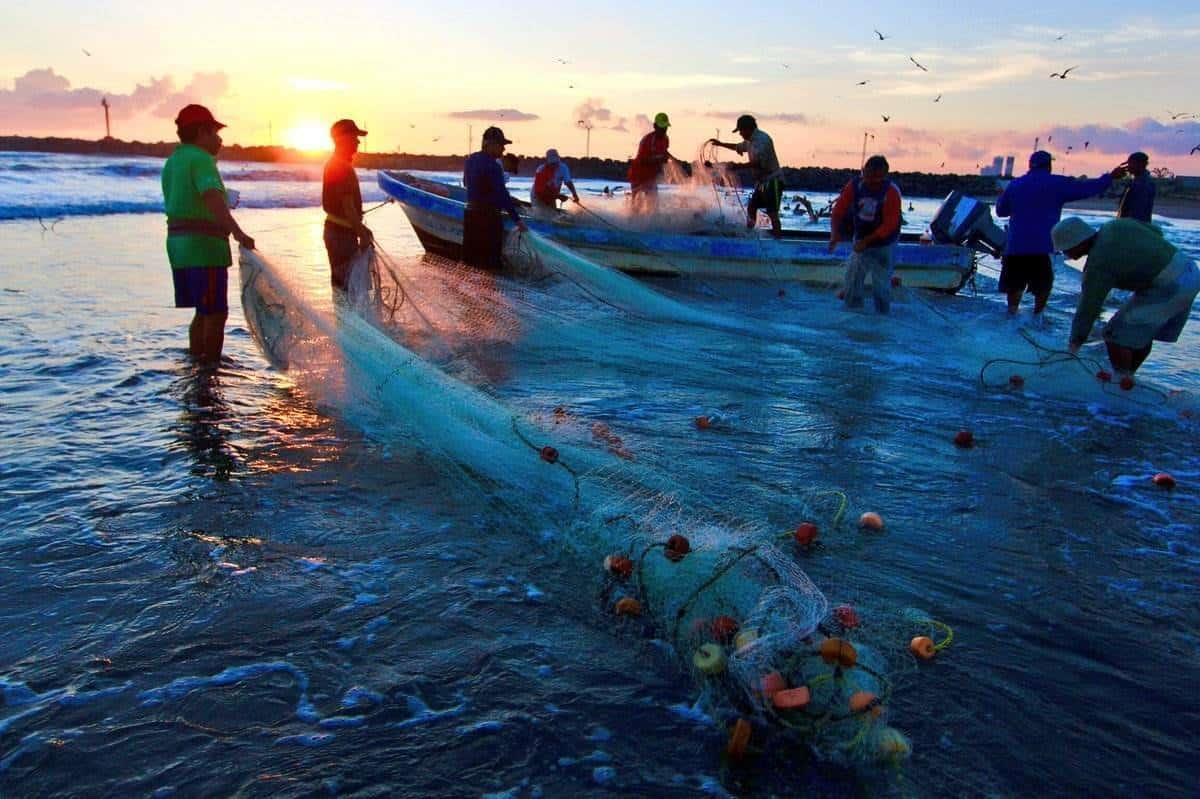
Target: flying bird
1063,75
862,83
881,36
1195,150
437,138
562,61
943,164
918,63
885,117
1085,144
1049,139
937,99
86,53
1060,38
786,66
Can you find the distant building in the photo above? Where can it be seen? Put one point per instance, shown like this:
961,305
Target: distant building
1008,166
995,169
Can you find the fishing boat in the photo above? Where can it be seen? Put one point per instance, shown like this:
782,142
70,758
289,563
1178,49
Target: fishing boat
436,209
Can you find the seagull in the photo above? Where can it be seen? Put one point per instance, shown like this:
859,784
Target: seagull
918,63
943,164
570,85
1060,38
862,83
437,138
785,66
1085,144
885,117
1049,139
1063,75
937,99
1195,150
86,53
562,61
1179,116
881,36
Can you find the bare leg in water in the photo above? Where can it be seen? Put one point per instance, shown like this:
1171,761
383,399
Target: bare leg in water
1127,360
206,337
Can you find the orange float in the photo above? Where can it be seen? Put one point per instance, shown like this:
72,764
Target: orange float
864,702
772,684
702,422
549,454
964,439
1126,383
837,651
871,521
896,282
806,534
792,698
677,547
628,606
1104,376
1016,381
922,647
739,740
1164,480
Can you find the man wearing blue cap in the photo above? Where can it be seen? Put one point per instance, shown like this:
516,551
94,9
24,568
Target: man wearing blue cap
764,166
1034,204
483,229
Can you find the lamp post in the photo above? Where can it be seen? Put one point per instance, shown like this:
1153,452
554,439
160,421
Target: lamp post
587,125
107,129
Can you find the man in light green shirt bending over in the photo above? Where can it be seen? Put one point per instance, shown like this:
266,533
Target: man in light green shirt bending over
1132,256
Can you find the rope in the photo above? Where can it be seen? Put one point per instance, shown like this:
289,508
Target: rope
557,461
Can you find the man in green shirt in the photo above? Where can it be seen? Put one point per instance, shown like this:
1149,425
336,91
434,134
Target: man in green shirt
198,228
1132,256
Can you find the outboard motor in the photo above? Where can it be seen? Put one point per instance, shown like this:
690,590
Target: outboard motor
967,222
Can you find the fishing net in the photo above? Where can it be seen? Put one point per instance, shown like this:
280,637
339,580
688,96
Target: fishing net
727,595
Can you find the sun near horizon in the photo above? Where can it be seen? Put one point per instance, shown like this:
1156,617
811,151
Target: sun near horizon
307,136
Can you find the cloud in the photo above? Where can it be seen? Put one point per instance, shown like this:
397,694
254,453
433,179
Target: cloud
41,99
620,125
592,110
494,114
652,81
783,119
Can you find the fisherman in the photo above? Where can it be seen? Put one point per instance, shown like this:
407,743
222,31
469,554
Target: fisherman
198,228
483,230
1034,202
764,166
548,181
873,203
1138,200
341,197
1131,256
652,154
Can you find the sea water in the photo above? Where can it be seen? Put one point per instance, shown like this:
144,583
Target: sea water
222,584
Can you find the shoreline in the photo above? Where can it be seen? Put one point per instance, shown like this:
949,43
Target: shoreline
1169,207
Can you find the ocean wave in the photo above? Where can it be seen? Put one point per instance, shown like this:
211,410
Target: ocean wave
240,172
107,207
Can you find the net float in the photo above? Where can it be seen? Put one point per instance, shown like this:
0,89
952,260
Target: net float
1164,480
846,616
744,639
628,606
739,739
618,566
896,282
964,439
724,628
891,745
549,454
702,422
1103,376
677,547
792,698
865,701
839,652
1016,381
1126,383
922,647
806,534
871,521
771,684
709,659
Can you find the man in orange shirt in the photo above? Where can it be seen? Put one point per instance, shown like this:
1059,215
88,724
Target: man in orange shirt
652,154
869,210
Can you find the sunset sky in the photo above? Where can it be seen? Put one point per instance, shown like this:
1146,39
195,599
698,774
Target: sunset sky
420,75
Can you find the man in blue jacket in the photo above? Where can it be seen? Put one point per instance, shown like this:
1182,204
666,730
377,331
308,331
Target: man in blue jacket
1034,203
483,229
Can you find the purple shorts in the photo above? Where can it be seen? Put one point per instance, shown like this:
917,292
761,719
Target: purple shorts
205,288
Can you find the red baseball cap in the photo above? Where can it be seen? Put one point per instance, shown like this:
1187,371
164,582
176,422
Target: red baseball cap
194,114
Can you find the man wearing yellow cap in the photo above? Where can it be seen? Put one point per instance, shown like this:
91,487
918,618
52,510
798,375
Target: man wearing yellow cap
652,154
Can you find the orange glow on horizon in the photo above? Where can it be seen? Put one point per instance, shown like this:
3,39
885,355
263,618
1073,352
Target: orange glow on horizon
307,136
